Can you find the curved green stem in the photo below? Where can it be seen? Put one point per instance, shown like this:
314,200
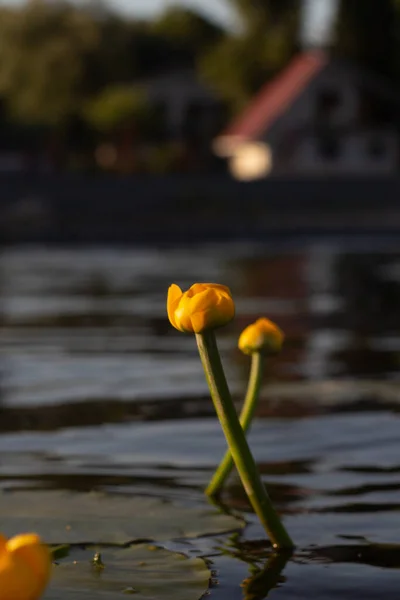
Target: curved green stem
237,442
246,417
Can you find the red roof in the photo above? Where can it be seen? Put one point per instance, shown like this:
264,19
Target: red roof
275,97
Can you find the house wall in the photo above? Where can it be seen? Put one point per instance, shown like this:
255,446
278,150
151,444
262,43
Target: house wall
302,112
355,155
338,141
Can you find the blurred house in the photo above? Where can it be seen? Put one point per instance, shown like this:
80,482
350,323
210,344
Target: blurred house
189,108
320,116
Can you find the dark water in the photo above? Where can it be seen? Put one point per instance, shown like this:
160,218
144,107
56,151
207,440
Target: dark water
99,392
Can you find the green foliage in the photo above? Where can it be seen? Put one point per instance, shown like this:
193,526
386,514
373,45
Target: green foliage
116,106
142,571
233,71
70,518
42,51
187,33
54,57
59,60
241,63
252,13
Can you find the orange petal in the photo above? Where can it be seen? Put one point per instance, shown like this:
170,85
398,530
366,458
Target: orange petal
196,288
222,289
29,547
173,297
183,314
25,568
199,322
203,300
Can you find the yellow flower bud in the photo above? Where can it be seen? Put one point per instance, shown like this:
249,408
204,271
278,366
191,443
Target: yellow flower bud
25,565
203,306
262,336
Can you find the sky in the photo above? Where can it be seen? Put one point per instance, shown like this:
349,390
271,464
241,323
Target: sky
218,10
318,18
317,13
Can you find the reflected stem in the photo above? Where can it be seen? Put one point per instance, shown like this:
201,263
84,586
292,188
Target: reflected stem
246,417
237,442
263,581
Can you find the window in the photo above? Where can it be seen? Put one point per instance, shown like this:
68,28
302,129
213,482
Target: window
194,120
328,101
376,147
329,147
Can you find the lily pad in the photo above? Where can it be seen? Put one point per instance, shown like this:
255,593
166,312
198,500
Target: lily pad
142,571
83,518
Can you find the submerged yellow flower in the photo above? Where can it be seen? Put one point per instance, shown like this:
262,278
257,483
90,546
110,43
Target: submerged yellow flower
25,565
262,336
203,306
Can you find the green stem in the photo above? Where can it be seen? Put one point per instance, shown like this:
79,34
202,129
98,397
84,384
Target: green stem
246,417
237,442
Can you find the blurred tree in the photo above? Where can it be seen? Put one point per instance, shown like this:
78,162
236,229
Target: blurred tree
64,65
187,33
252,13
118,106
123,116
367,32
54,56
115,58
42,54
149,52
241,63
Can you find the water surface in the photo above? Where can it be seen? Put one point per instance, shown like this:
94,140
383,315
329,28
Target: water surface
99,392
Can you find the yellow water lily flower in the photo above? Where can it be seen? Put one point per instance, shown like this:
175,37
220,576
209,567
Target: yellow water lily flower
262,336
25,565
204,306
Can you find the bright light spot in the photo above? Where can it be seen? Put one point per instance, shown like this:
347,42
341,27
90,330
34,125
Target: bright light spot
251,161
